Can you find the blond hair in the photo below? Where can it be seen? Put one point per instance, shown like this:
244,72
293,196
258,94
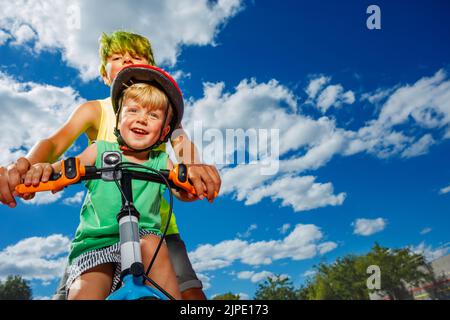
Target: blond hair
149,97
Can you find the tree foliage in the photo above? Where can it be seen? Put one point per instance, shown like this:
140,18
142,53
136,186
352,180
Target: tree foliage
399,267
347,277
227,296
15,288
276,288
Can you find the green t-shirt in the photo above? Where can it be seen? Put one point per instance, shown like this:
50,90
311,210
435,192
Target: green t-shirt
98,226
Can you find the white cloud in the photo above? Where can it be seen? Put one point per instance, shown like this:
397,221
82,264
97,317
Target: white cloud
367,227
312,143
179,75
205,279
42,198
258,276
315,85
284,228
425,230
430,253
23,34
280,277
243,296
3,37
309,273
377,96
36,258
307,144
423,105
326,247
76,199
219,109
30,112
42,298
348,97
247,232
74,27
271,106
427,102
254,276
334,95
326,97
444,190
305,195
420,147
302,243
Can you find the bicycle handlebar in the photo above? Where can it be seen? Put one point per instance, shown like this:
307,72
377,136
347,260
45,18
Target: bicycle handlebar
73,172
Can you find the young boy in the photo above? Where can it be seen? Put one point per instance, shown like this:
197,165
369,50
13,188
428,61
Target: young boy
145,116
96,119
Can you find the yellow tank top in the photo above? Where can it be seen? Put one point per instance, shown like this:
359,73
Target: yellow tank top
106,133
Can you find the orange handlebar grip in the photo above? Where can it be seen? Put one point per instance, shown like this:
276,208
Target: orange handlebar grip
186,185
43,186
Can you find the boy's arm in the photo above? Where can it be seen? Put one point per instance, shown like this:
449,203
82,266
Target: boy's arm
205,178
84,118
185,151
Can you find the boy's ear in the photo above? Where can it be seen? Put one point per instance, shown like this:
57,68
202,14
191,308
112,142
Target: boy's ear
165,132
104,73
106,79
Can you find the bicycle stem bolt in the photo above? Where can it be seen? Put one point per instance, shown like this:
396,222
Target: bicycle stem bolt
137,269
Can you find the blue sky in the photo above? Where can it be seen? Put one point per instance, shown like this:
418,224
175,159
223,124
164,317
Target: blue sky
363,117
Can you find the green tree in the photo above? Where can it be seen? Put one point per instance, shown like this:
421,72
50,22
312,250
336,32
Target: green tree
307,291
347,277
343,280
276,288
15,288
399,267
227,296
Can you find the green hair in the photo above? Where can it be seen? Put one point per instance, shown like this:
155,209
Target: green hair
121,42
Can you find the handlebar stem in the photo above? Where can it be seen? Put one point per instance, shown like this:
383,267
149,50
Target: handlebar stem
128,219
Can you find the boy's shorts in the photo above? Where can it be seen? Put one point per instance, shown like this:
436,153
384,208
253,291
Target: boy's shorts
187,279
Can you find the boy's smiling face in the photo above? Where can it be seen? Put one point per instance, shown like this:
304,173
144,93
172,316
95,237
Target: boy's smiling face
140,126
117,61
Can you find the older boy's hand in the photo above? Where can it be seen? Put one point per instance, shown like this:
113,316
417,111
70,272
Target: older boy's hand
37,173
10,177
206,180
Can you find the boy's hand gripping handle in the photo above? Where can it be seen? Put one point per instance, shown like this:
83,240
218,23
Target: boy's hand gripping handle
178,175
71,172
